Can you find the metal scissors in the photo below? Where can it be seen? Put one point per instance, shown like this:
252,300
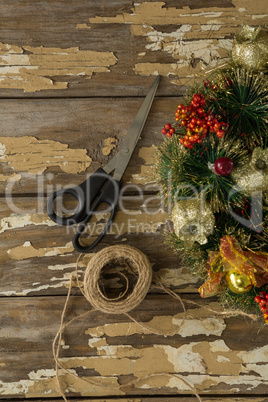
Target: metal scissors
102,187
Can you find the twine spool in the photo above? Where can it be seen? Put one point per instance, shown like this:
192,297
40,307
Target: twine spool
120,305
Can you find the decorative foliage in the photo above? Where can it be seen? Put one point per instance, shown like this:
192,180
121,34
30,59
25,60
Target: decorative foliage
216,151
243,96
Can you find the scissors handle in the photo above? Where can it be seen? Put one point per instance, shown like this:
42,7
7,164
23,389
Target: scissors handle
85,194
110,196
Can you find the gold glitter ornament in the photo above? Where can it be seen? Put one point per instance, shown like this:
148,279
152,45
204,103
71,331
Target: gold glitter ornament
252,177
237,282
251,49
193,220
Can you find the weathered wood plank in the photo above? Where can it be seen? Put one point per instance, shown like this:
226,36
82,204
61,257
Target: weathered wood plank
215,355
67,49
168,398
37,256
52,143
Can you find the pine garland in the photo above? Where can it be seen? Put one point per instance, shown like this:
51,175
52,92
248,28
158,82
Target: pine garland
244,98
225,118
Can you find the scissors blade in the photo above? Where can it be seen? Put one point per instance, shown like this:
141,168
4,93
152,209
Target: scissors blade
120,161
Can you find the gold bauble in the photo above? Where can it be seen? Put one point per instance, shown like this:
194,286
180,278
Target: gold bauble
237,282
251,48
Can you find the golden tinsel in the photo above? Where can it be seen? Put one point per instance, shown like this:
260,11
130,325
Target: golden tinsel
250,49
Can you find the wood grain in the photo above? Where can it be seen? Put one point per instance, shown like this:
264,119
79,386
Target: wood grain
52,143
174,39
169,398
214,354
72,77
37,256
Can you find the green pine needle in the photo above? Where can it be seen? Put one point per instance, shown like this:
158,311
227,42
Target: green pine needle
243,96
183,173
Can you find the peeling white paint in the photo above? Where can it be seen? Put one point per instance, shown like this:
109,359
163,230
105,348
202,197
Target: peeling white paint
61,267
257,17
97,342
207,326
15,221
167,325
184,359
255,356
211,27
176,277
15,387
25,292
27,250
43,373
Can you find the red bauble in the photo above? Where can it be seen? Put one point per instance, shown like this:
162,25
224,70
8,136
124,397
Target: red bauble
223,166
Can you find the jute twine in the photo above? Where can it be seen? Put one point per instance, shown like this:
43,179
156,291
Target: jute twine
93,272
138,262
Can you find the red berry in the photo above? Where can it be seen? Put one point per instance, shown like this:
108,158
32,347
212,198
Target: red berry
168,126
164,131
266,296
196,97
262,303
169,134
263,294
223,166
193,113
183,122
202,102
200,110
257,299
217,125
220,133
181,140
264,309
172,130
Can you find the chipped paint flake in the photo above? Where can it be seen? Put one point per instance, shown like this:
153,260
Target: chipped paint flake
43,382
65,281
191,47
35,70
35,156
27,250
176,277
15,221
167,325
109,144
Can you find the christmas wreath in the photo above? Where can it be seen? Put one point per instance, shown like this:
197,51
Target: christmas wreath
213,170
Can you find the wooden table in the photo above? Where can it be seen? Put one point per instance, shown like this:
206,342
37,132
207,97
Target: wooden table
73,75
